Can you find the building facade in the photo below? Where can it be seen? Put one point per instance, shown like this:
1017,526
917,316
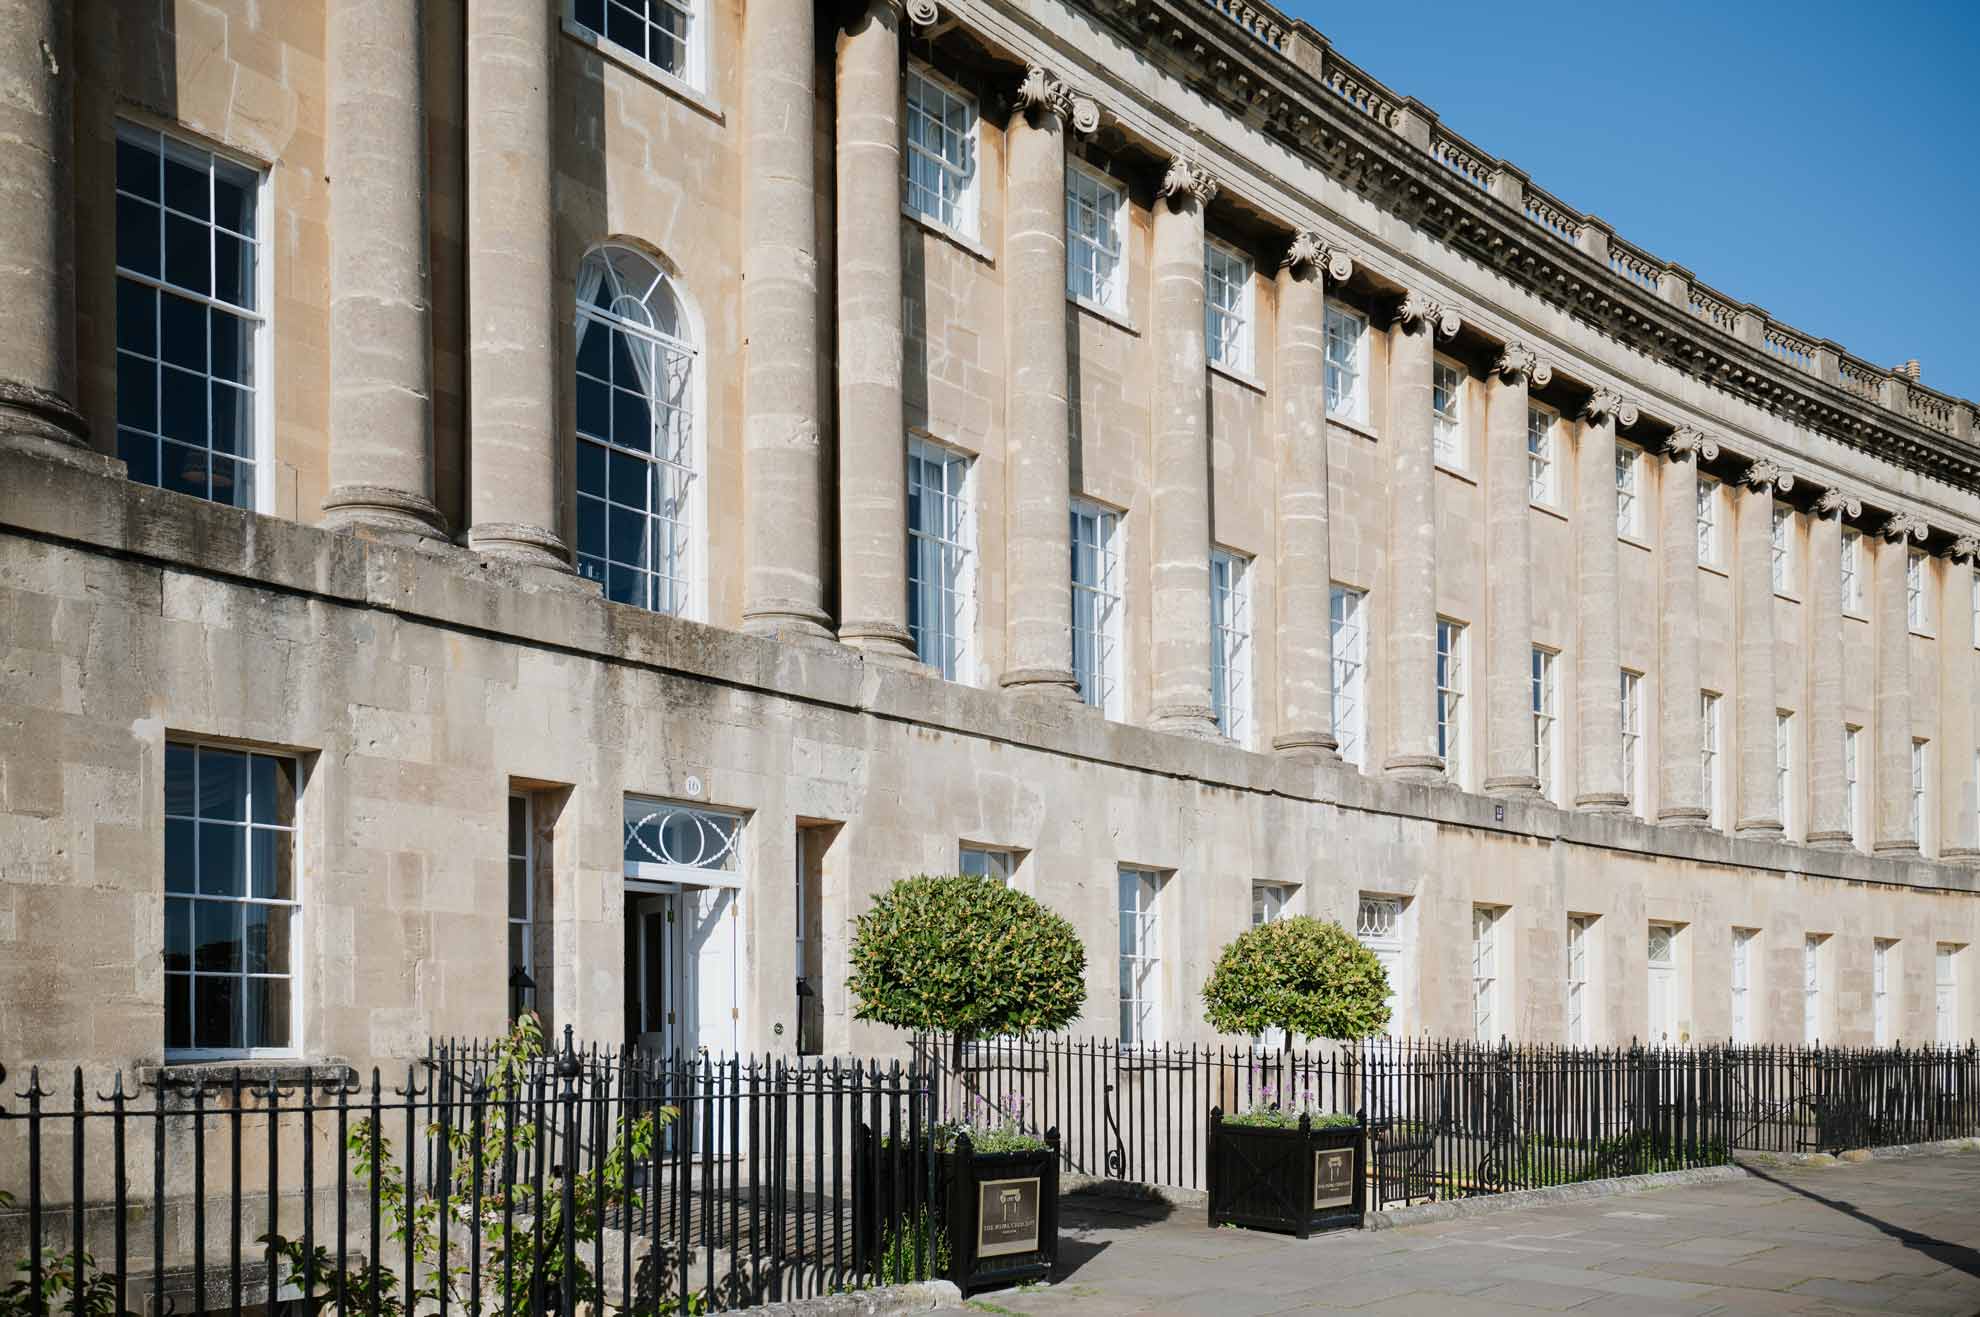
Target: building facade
562,500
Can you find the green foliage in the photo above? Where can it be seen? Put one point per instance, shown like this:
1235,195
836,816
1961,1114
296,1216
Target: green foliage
88,1291
965,956
511,1249
992,1127
1306,976
912,1250
1286,1118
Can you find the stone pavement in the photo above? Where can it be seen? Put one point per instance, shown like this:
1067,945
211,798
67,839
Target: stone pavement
1887,1236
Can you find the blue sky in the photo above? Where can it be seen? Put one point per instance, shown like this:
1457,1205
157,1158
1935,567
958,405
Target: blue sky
1816,160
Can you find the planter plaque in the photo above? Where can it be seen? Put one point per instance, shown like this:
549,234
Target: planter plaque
1007,1217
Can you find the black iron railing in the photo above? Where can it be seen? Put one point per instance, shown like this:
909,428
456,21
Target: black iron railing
600,1181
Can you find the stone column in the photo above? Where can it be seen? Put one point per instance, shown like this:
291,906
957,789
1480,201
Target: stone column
783,454
1757,812
1680,728
1413,536
37,247
1038,462
1306,574
381,346
1179,424
872,425
1598,664
1510,768
515,483
1828,812
1956,703
1892,622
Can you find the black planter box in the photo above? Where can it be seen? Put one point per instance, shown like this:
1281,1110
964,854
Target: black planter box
999,1211
1296,1180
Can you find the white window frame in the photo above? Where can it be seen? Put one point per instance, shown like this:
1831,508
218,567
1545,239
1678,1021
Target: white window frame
1096,235
1784,780
1975,577
1812,945
1348,641
262,372
685,466
1921,793
1453,674
1547,721
1381,925
1543,468
930,100
1917,599
1661,984
1880,990
295,903
1850,567
949,550
1945,992
1780,541
1853,782
1448,380
1629,491
1097,538
1487,973
694,55
1582,999
1141,955
525,924
1346,355
1710,729
1629,711
1230,643
1710,500
1269,902
1228,314
1741,984
992,862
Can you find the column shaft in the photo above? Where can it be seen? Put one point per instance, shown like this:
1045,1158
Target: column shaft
381,347
1511,768
1758,811
1598,663
1038,455
1961,839
1180,502
1305,567
1828,810
1680,729
872,425
1413,543
783,460
37,248
1892,619
515,485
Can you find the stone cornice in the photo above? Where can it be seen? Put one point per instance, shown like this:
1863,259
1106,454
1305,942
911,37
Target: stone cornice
1285,80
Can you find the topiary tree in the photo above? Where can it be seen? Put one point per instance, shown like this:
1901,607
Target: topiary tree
1303,975
965,956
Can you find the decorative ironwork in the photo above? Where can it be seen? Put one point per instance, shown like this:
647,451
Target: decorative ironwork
686,836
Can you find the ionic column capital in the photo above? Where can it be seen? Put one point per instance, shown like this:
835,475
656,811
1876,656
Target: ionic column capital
1417,310
1043,93
1836,502
921,13
1310,251
1767,476
1966,549
1905,526
1689,444
1519,359
1607,404
1186,180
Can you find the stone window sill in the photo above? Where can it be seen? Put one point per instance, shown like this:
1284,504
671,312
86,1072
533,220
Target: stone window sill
1354,426
953,237
1239,377
1457,472
252,1072
1635,542
1924,635
1856,615
1787,596
1548,508
650,73
1716,569
1105,313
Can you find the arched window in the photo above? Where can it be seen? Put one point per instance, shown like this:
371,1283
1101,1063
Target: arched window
637,452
